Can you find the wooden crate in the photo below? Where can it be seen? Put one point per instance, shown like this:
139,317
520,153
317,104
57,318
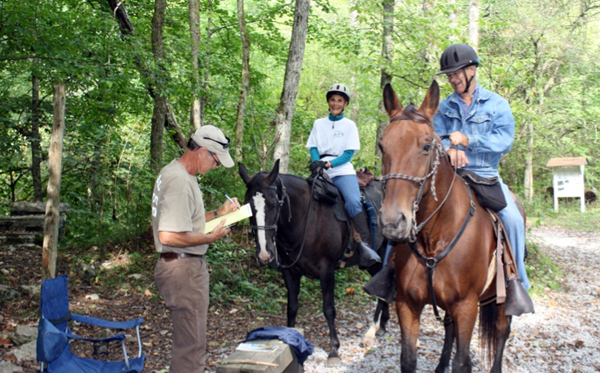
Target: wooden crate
282,360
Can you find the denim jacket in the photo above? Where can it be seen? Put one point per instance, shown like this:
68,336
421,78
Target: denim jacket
489,125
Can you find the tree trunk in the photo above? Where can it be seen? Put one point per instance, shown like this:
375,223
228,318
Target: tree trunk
195,36
453,19
206,62
386,53
50,246
474,23
126,27
528,179
239,124
159,114
293,69
94,201
36,147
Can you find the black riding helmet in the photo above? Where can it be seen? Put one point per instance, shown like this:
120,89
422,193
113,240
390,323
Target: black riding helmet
456,57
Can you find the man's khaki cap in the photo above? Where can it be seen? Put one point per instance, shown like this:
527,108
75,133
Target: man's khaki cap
213,139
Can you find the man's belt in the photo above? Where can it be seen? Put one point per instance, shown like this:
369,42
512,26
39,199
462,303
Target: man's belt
172,256
327,155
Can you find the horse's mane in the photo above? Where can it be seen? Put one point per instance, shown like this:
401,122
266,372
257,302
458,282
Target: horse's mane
412,113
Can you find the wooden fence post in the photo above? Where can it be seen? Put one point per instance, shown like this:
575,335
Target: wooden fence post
50,248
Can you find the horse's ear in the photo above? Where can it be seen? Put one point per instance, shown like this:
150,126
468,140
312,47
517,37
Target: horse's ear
390,100
243,173
432,100
274,173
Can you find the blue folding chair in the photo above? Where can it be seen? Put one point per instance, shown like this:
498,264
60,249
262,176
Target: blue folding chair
53,350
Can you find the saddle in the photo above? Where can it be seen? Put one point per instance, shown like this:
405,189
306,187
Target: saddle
325,192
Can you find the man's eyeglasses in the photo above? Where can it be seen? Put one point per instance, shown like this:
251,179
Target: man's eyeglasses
225,145
215,159
451,75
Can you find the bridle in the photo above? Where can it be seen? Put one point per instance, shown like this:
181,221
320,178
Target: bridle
432,169
280,202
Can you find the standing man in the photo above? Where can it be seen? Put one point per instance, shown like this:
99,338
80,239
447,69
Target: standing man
178,220
481,128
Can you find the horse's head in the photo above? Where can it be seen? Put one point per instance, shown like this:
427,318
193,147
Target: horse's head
410,155
262,196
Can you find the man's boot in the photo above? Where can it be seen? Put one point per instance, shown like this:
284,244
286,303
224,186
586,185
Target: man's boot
367,256
383,284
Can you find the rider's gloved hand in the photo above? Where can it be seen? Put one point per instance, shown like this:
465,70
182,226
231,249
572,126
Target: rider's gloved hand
316,167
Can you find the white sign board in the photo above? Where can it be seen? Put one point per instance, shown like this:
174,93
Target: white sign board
568,182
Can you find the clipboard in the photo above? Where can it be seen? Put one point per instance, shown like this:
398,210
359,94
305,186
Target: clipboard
242,213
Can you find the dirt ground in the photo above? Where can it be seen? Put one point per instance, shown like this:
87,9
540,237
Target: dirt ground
562,336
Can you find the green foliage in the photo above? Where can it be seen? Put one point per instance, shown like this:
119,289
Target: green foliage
542,56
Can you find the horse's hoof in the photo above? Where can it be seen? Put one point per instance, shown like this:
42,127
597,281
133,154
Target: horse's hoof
333,362
380,332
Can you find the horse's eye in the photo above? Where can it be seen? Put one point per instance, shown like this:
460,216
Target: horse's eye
427,148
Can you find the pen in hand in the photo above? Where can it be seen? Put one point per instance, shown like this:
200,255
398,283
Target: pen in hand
231,200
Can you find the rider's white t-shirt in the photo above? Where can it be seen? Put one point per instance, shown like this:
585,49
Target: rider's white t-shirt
335,138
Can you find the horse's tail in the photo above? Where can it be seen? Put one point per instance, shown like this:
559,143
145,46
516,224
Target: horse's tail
488,316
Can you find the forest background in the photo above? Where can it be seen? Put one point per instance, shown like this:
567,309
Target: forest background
142,75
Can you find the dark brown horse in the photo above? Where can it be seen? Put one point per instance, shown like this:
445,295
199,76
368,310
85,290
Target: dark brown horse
303,237
446,238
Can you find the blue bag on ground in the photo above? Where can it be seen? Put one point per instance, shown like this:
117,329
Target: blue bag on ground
301,347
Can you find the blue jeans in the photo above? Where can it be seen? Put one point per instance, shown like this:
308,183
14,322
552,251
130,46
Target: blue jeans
348,186
515,228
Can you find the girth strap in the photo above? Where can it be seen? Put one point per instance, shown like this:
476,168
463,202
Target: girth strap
431,263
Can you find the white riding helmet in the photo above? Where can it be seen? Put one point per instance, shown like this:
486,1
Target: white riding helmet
340,89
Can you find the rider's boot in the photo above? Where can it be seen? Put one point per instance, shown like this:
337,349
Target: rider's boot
383,284
367,256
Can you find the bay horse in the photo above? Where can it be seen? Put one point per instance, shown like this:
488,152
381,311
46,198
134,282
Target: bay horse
306,239
441,227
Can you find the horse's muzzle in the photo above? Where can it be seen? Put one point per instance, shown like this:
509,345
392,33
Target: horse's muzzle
394,233
396,228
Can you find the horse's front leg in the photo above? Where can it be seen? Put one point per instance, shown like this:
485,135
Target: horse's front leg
327,280
292,284
464,316
380,319
449,336
409,327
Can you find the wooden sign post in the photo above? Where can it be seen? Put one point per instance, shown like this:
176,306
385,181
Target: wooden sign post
50,248
568,178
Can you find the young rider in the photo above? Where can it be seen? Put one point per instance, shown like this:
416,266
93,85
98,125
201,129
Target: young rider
333,142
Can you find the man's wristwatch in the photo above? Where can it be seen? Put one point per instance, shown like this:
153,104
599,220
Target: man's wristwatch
216,213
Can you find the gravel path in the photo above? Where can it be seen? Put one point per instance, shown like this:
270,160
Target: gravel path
562,336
